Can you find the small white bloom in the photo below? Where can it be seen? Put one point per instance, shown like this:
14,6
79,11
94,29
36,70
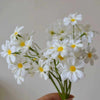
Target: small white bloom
19,69
75,45
60,48
7,52
16,33
19,79
88,37
72,19
43,69
89,55
72,70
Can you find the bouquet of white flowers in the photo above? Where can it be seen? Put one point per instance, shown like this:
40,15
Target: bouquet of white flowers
63,61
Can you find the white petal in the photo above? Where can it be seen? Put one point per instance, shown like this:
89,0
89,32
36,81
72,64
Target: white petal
3,47
95,56
12,57
3,54
8,60
64,75
73,23
79,17
20,28
74,77
13,49
91,61
71,61
93,50
54,55
86,60
66,21
69,76
45,76
80,45
79,74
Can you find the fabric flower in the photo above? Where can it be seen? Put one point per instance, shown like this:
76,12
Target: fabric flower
72,19
16,33
72,70
8,51
89,55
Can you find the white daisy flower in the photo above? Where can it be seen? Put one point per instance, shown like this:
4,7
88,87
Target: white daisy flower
8,51
23,44
19,68
43,69
88,37
72,19
60,48
16,33
89,55
72,70
19,79
75,45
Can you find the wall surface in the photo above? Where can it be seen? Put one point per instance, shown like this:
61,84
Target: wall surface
36,15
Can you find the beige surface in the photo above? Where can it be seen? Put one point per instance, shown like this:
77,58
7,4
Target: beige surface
36,14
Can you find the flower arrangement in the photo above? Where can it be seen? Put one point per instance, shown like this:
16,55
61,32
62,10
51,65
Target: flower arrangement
68,50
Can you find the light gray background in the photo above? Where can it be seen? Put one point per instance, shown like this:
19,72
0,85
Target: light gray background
37,14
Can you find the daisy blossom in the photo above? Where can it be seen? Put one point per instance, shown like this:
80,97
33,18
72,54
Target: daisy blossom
72,19
89,55
60,48
8,51
75,45
88,36
43,69
16,33
72,70
19,68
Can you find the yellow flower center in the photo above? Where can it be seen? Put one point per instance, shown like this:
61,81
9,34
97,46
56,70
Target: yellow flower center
73,45
9,52
20,65
60,49
72,68
62,31
22,44
89,55
72,19
16,33
60,57
40,69
51,47
61,39
34,59
52,32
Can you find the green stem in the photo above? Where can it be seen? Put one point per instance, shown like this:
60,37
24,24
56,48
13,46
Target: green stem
78,28
73,32
33,50
55,86
69,88
59,82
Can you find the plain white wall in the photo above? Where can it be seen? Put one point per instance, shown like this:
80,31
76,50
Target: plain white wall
36,15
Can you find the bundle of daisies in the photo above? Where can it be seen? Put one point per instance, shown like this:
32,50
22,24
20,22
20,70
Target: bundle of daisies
63,61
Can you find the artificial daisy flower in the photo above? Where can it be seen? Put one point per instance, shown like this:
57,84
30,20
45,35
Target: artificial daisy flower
89,55
72,70
43,69
75,45
19,79
19,68
16,33
60,48
8,51
72,19
88,36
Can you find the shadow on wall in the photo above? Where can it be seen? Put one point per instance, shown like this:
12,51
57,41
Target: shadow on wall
4,93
